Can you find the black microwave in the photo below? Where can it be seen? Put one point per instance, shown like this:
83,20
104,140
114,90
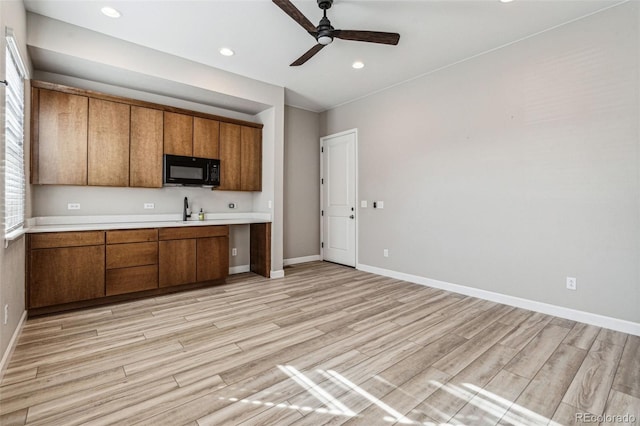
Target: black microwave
180,170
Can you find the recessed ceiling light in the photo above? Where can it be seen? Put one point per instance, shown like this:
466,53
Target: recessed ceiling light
225,51
358,65
506,1
110,12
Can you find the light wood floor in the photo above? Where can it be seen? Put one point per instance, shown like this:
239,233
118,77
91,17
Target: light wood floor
325,345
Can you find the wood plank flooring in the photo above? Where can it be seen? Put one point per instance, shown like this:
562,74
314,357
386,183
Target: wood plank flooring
324,345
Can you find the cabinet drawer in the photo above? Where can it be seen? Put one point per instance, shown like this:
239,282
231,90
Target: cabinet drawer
132,236
129,280
66,239
132,254
193,232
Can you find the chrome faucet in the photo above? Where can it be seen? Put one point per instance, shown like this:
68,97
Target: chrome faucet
185,216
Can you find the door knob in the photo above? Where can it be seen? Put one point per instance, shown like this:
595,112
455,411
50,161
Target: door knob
351,217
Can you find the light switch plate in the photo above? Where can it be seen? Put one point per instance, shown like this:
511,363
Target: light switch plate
363,204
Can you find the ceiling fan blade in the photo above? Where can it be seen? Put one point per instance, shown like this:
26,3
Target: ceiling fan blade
368,36
308,55
295,14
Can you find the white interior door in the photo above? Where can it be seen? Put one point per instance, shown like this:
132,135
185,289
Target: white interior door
339,197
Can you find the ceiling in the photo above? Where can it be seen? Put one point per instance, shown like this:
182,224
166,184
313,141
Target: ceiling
434,34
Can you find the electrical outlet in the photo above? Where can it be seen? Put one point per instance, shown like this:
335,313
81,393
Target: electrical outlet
73,206
270,204
385,252
381,204
6,314
572,283
363,204
149,206
234,251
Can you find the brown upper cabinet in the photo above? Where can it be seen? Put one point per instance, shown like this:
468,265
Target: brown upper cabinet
240,158
108,143
229,157
250,159
206,136
145,151
191,136
81,137
59,138
178,134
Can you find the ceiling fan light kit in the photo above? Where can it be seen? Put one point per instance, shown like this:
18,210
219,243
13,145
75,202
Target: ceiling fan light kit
324,33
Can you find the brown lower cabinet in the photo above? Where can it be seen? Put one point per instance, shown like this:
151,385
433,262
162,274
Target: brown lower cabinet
67,270
132,261
65,267
212,260
65,274
177,262
193,254
131,280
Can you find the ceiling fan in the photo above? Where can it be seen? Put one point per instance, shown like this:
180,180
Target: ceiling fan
324,33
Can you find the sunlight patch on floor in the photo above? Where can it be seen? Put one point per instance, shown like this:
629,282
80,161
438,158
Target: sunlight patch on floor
496,407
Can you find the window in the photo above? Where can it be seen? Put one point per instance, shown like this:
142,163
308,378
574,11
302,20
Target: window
14,179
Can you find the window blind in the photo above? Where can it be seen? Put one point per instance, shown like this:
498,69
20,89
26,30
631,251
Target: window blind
14,179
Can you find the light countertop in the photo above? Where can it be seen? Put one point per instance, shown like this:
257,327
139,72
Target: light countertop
99,223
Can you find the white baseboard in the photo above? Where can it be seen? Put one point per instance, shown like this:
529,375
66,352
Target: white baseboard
277,274
305,259
247,268
624,326
12,345
239,269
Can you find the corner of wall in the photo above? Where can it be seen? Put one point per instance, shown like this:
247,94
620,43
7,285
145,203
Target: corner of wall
12,258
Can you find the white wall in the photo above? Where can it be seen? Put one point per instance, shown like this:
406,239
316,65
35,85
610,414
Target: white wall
12,15
513,170
270,200
301,183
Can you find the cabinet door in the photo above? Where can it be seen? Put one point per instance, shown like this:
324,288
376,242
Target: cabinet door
145,161
229,157
108,143
59,151
206,135
177,262
178,134
213,258
63,275
251,159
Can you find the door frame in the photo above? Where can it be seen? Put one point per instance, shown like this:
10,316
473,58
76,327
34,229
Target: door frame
356,184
